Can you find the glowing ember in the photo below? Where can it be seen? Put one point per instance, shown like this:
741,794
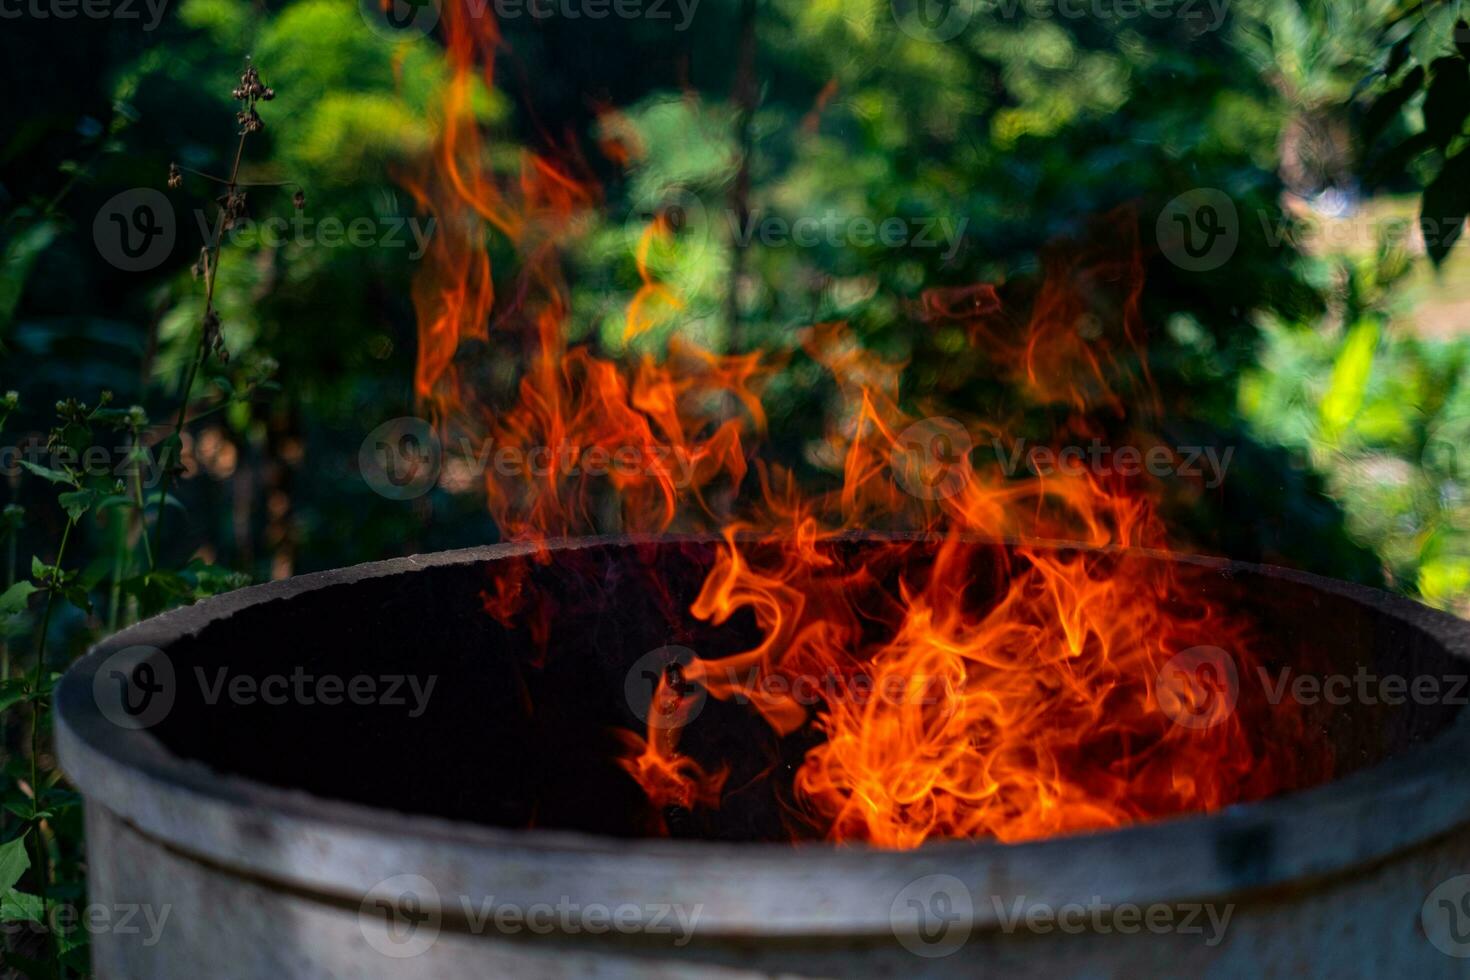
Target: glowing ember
947,690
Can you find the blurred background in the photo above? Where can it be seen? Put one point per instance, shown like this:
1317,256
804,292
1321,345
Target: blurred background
1296,172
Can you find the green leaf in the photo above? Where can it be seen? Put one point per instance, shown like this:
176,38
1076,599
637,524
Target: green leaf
95,571
212,579
12,519
1390,103
169,500
15,598
1391,165
1445,581
18,906
1447,100
13,692
25,808
77,596
55,476
13,862
1445,206
114,500
20,255
1432,39
158,589
77,502
1349,379
62,800
75,436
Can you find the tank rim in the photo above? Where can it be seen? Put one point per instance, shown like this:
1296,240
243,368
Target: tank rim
339,850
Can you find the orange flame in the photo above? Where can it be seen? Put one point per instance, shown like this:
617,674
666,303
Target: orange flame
965,691
654,301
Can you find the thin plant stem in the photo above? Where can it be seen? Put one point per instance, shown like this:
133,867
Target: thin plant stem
212,257
141,504
239,183
38,706
114,595
10,546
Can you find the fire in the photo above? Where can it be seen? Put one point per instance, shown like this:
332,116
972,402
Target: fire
952,688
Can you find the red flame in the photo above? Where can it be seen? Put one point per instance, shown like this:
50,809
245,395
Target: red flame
1029,698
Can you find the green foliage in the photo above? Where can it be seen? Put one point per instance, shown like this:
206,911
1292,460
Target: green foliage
1386,417
1416,119
16,905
